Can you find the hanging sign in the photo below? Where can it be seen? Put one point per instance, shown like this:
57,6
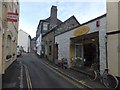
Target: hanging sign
12,17
81,30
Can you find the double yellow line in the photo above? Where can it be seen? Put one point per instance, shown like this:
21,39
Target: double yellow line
29,84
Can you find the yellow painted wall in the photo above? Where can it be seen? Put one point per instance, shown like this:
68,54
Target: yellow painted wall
113,54
113,44
9,28
0,40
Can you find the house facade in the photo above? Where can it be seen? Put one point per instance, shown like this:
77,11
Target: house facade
67,25
24,40
86,42
44,26
113,37
48,44
49,37
8,34
1,35
33,44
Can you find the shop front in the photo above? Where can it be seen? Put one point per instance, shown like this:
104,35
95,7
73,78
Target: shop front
85,50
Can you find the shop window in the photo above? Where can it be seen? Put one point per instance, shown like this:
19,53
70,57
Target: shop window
78,51
78,55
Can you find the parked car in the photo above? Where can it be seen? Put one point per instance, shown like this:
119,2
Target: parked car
19,51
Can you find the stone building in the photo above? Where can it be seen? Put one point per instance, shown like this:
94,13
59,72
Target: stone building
67,25
33,44
44,26
49,37
48,44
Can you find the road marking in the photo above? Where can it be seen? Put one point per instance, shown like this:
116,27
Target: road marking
29,78
71,81
29,84
21,75
81,81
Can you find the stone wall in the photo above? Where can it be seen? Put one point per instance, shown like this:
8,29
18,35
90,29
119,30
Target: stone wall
67,25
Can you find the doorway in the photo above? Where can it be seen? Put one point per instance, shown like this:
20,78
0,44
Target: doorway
90,54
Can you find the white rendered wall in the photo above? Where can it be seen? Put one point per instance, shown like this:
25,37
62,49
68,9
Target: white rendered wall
63,41
38,45
23,40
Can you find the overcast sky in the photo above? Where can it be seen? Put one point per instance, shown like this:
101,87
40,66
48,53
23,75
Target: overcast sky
32,12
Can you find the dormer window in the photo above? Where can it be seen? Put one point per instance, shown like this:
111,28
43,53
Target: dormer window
45,26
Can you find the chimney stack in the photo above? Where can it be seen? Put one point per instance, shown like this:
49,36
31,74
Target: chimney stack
53,17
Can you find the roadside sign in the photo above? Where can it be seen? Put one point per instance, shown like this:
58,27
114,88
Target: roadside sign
12,17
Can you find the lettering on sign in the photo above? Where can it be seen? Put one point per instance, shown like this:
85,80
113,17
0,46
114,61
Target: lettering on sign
81,31
12,17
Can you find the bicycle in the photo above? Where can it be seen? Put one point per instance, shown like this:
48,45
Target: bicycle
108,80
77,62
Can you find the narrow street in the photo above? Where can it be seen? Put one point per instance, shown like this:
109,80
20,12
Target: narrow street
40,75
53,45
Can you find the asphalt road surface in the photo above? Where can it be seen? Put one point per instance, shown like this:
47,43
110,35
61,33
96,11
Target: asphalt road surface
40,76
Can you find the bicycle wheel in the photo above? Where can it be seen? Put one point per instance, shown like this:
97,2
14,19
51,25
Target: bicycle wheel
110,81
92,75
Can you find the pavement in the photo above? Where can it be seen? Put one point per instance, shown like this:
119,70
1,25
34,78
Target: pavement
13,80
77,76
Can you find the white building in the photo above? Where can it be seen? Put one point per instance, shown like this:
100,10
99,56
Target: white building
24,40
83,41
38,45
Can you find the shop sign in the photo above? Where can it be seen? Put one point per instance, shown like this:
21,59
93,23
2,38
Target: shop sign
12,17
81,31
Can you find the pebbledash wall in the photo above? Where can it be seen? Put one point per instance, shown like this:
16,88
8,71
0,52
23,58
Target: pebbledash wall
63,40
